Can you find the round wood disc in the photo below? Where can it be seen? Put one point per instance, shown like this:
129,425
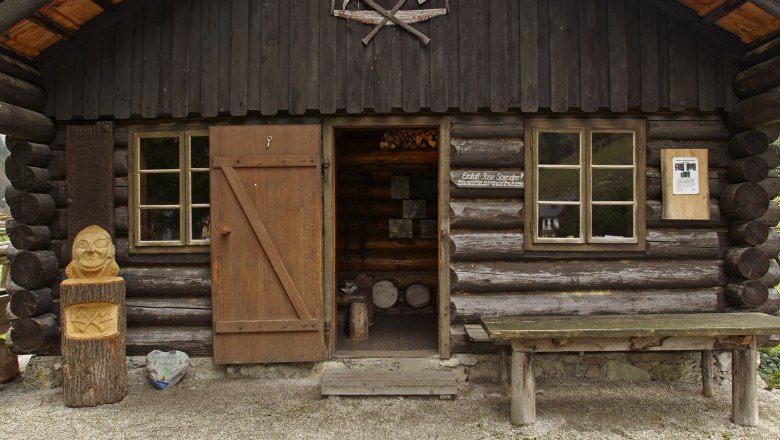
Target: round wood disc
385,294
418,295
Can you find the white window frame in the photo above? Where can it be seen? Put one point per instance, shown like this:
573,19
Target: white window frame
185,243
586,241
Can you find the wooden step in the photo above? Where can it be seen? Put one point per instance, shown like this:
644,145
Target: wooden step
349,382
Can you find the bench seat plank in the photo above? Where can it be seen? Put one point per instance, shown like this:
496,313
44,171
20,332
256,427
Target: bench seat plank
689,324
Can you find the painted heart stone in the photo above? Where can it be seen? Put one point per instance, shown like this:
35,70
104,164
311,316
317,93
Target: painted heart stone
166,368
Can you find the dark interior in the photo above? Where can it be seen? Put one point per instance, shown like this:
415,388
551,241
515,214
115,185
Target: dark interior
386,228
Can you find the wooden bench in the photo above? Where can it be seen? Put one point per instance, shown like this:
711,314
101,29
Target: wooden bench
674,332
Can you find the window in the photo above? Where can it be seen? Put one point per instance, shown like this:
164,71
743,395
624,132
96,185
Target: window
585,184
170,190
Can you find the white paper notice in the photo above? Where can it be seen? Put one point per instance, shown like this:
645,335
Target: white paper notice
685,175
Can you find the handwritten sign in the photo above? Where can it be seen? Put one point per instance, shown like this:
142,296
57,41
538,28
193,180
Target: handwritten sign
488,179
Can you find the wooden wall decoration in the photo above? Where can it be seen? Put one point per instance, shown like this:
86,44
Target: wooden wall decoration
89,158
685,184
382,17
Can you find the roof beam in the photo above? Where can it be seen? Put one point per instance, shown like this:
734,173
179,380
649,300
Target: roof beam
770,6
18,56
12,11
723,10
105,5
50,25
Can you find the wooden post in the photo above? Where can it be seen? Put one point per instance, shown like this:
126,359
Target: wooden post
744,402
93,323
523,392
503,375
706,373
358,318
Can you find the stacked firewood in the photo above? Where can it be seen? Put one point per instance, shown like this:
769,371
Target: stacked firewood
33,199
409,139
751,261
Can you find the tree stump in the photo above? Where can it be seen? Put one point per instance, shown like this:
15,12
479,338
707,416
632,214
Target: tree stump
93,341
358,318
9,364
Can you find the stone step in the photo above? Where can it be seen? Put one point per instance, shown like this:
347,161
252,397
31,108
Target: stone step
374,382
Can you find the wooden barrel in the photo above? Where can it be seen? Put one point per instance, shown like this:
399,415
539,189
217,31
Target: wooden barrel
385,294
418,295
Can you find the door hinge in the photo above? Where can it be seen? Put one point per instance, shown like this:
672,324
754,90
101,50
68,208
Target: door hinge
325,163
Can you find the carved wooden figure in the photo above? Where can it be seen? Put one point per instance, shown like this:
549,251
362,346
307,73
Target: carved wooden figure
93,323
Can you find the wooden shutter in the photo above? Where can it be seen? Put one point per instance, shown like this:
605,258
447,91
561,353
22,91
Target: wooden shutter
266,243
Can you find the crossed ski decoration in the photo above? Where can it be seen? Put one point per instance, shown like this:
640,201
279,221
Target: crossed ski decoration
388,17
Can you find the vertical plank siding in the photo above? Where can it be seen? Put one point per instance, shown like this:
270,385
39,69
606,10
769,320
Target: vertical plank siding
180,58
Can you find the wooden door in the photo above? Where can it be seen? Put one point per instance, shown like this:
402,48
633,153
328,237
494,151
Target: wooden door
266,243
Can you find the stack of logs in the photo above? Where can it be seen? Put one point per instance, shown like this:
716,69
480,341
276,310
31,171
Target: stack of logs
33,199
758,87
751,261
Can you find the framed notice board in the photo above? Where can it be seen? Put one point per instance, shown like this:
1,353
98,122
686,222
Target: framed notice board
685,188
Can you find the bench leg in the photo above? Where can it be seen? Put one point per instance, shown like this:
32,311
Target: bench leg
503,374
744,402
523,394
706,373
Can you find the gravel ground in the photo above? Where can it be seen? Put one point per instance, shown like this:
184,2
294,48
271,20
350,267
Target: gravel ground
293,408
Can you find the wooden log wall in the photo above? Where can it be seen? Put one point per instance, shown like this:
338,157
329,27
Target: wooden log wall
168,295
758,87
751,262
32,170
683,268
167,58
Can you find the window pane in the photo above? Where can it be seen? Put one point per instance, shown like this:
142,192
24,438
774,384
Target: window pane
200,223
159,189
559,221
160,224
613,185
199,151
159,153
559,148
556,184
613,148
200,187
613,221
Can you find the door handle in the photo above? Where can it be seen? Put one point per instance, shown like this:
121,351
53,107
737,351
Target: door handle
225,230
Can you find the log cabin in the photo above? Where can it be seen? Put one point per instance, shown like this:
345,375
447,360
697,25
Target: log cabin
297,180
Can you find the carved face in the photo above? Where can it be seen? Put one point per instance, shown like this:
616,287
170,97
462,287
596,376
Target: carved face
91,250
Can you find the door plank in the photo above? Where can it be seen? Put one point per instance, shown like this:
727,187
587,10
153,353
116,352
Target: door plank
268,246
245,286
264,161
282,325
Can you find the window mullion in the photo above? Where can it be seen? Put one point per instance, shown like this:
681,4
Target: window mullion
184,184
587,182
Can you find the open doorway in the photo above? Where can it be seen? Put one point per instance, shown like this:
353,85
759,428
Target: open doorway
385,229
